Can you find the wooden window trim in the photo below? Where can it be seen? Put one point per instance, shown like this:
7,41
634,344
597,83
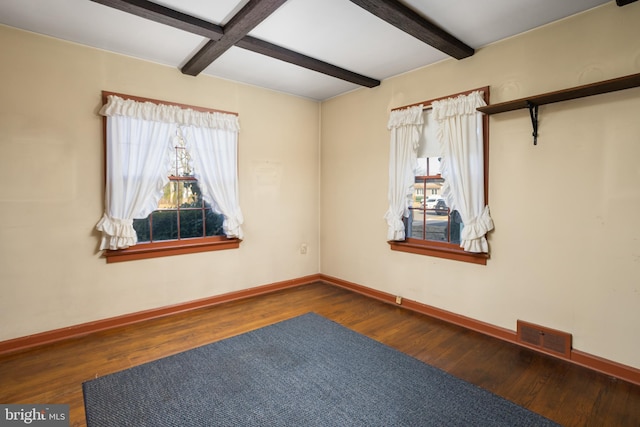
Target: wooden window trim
171,247
451,251
438,249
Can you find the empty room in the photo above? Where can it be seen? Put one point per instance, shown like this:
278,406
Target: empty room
319,212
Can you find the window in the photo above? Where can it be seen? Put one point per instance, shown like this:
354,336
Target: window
436,181
430,218
182,212
171,179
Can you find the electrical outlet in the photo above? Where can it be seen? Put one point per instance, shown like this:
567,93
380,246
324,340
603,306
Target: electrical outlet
398,300
303,249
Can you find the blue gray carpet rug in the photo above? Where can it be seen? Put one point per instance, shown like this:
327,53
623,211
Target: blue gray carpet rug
302,372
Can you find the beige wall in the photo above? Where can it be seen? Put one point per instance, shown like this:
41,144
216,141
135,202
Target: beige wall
565,252
51,273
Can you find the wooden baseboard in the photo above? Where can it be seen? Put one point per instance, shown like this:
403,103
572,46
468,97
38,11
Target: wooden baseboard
605,366
595,363
48,337
608,367
447,316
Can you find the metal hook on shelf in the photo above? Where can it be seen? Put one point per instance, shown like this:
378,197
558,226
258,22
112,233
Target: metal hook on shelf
533,112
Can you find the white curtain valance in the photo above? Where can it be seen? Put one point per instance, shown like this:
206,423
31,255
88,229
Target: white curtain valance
462,105
117,106
404,117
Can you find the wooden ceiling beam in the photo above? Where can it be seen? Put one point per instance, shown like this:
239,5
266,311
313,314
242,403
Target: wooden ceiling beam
164,15
407,20
286,55
157,13
252,14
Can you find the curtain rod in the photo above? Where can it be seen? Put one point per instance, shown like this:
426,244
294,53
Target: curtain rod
427,104
159,102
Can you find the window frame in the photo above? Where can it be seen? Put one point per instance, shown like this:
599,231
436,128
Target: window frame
167,247
424,180
451,251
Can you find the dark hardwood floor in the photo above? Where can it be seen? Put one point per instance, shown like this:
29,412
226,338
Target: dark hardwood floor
563,392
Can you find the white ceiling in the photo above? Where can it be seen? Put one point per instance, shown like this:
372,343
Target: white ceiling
335,31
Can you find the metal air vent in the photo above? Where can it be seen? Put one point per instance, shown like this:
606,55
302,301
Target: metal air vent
545,339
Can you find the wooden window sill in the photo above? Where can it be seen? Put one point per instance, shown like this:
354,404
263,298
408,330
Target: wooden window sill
174,247
439,250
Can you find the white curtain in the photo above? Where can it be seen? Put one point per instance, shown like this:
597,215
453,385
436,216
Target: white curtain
405,126
215,160
137,170
461,137
140,139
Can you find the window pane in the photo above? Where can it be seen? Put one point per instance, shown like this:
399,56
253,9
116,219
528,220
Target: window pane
213,223
428,166
142,229
426,224
456,227
181,203
164,225
191,224
433,224
169,198
190,195
437,226
427,192
414,225
431,218
180,159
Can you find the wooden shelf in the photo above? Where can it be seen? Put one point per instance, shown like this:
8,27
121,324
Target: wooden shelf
606,86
